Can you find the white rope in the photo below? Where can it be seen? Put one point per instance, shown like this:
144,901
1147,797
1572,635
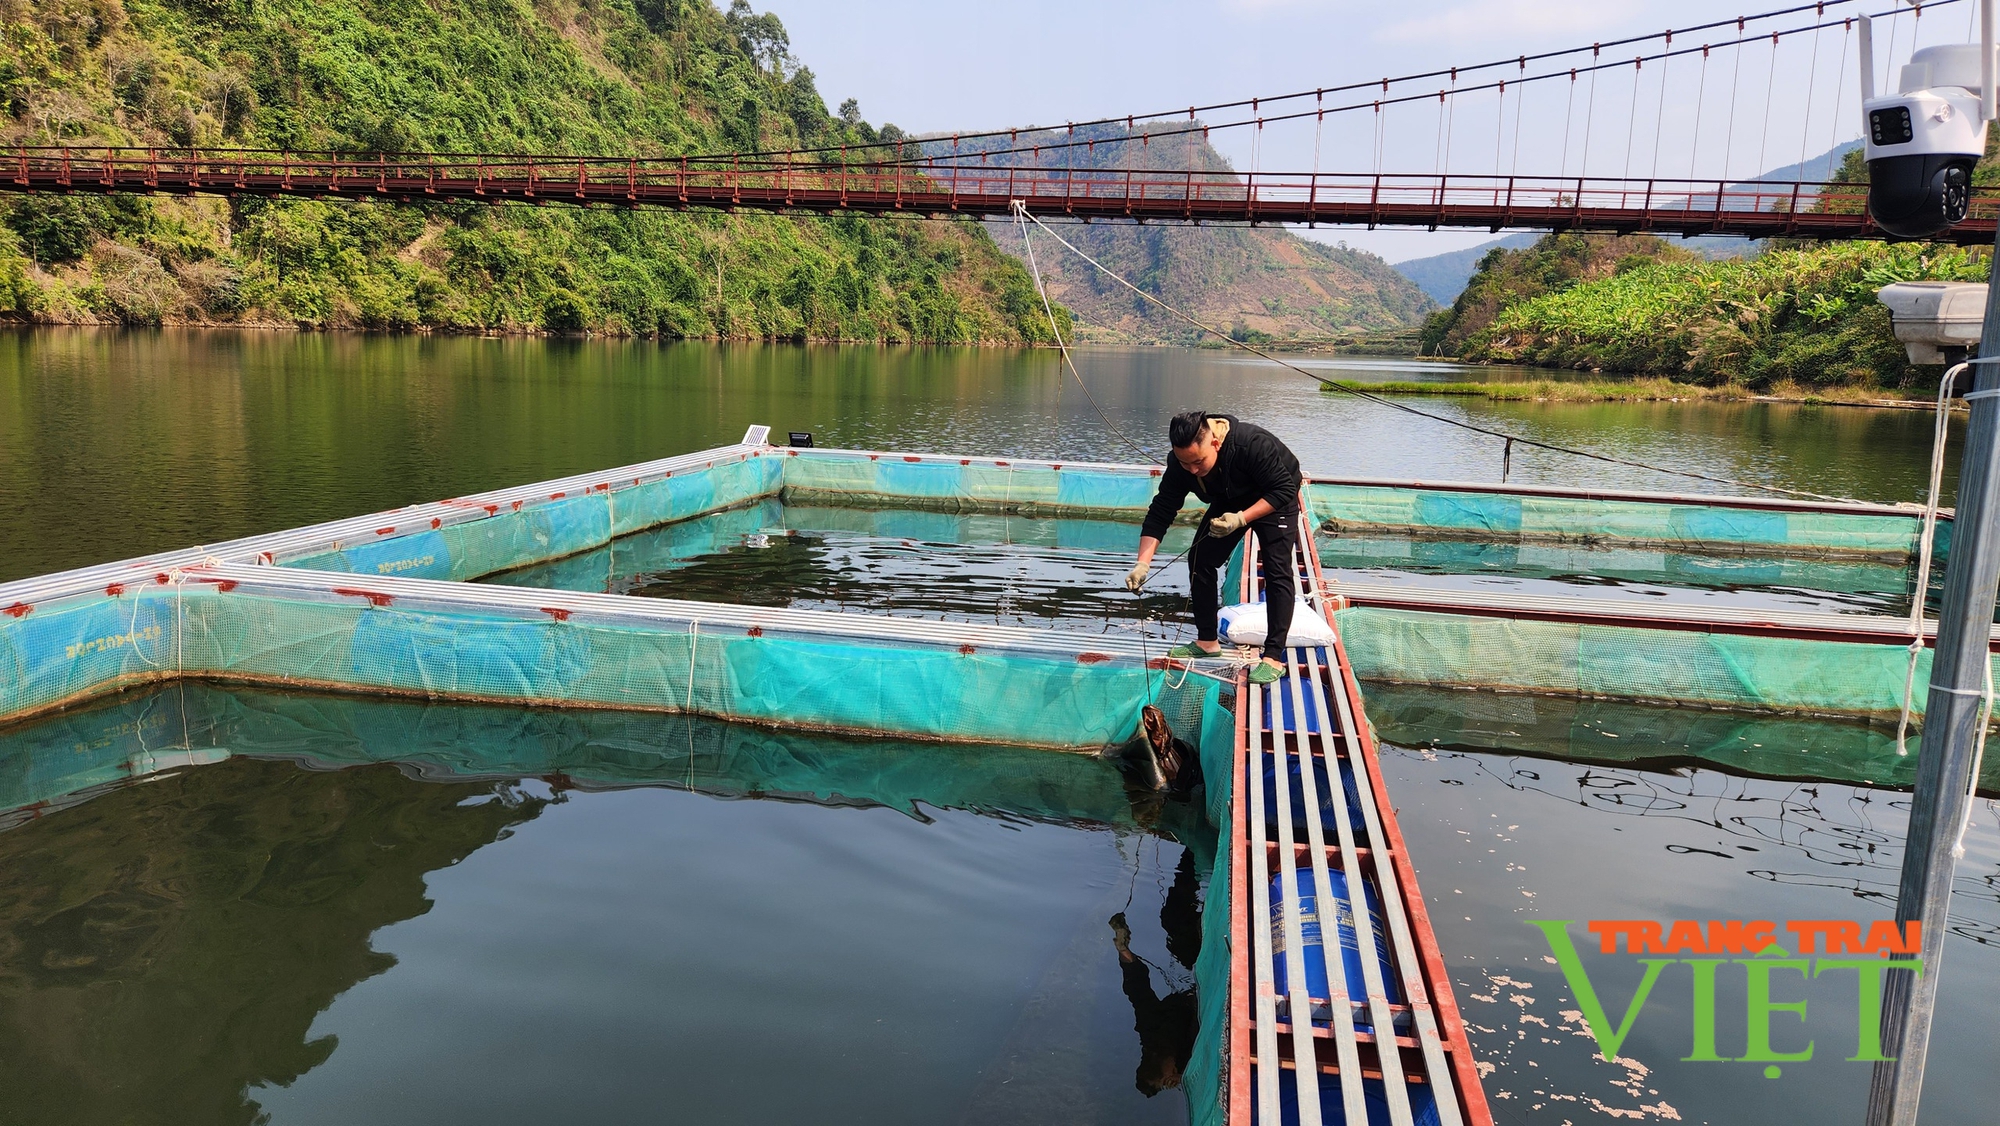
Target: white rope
1921,594
694,645
180,618
1026,216
1021,216
1978,762
132,631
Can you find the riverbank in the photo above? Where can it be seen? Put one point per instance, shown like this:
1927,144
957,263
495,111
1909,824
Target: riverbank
1645,391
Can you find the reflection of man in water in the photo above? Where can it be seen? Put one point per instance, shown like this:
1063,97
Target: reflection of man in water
1166,1025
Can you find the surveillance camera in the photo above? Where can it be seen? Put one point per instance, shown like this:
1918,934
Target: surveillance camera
1923,141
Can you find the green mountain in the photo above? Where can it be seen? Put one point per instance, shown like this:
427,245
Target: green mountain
1253,282
623,77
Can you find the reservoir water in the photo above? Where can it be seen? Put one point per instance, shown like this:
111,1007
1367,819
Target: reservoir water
341,909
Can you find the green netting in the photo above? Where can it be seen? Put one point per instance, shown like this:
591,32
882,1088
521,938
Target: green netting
830,683
1654,736
1204,1080
61,651
1717,529
550,529
69,756
1622,662
1030,489
656,549
132,736
1533,559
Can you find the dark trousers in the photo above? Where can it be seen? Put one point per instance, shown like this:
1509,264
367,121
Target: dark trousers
1275,536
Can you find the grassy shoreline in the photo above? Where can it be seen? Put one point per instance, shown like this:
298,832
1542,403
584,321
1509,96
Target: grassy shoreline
1645,390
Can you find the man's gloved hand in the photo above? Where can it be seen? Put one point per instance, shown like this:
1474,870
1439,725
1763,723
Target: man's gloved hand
1136,577
1226,523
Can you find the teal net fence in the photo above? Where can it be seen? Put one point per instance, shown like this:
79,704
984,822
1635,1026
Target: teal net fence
1716,525
336,624
379,605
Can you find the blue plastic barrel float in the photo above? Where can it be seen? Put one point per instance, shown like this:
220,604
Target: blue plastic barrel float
1311,927
1423,1101
1322,790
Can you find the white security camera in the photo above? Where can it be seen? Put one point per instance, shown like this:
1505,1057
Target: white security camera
1923,140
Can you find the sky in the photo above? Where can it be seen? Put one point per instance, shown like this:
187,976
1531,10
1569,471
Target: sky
930,67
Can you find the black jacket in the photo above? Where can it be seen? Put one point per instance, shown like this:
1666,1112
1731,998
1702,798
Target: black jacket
1252,465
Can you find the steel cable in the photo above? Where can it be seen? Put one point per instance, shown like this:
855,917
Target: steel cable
1407,409
1130,120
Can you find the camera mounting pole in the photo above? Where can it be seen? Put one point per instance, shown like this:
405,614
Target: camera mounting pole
1957,712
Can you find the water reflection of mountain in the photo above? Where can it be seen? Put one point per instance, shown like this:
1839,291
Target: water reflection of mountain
168,945
181,899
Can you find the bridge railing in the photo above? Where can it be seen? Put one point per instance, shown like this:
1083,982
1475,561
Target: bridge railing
963,184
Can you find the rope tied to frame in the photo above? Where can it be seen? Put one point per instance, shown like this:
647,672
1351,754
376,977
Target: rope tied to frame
1920,595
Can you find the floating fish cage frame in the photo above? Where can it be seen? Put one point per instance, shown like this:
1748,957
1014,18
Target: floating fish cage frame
384,604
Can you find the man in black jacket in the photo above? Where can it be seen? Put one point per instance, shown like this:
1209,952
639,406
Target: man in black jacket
1250,480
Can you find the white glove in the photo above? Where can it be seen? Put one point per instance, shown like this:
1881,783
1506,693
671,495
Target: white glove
1226,523
1136,577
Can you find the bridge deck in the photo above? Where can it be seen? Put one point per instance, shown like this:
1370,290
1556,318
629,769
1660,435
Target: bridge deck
1801,209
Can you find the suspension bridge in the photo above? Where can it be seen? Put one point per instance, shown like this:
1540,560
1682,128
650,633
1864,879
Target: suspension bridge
1688,99
1791,209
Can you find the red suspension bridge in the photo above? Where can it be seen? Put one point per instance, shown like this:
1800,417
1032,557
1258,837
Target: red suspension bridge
1685,98
1788,209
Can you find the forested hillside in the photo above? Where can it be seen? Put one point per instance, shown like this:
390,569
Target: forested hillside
638,77
1804,315
1800,314
1258,283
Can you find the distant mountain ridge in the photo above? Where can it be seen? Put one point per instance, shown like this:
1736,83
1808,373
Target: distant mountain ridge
1443,276
1255,283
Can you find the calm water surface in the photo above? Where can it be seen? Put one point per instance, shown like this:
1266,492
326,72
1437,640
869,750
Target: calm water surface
1014,570
117,443
575,917
502,915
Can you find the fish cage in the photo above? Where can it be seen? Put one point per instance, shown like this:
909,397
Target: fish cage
487,599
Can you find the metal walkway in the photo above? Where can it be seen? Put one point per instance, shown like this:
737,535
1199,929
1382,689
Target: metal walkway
1284,1044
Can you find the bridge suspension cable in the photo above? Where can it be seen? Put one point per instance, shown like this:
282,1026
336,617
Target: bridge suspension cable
925,155
1259,105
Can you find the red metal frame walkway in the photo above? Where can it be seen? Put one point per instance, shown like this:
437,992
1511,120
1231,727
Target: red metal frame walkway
1313,718
1669,207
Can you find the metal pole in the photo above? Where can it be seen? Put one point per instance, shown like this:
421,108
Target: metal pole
1951,734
